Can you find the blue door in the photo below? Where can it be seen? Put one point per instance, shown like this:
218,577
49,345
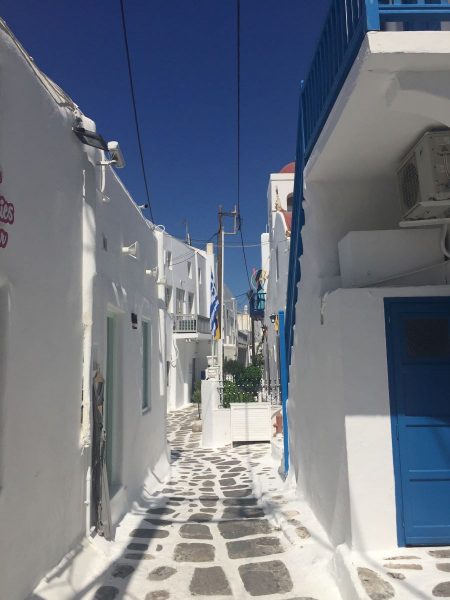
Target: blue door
418,346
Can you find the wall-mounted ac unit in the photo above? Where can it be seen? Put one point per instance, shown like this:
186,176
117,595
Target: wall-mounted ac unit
424,181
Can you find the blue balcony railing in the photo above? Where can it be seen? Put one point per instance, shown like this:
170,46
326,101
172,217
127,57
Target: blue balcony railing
344,29
257,304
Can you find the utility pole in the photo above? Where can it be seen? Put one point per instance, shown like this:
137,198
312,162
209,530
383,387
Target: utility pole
253,338
220,275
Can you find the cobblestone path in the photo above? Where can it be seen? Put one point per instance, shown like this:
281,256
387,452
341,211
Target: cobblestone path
218,528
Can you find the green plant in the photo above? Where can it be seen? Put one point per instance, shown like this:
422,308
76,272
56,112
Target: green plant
258,360
250,379
197,395
233,368
233,393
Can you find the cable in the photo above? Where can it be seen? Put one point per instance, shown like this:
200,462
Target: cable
133,99
238,74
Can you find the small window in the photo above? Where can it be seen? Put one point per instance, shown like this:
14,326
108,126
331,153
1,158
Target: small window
180,302
168,259
199,275
146,365
189,268
190,307
277,264
168,297
427,338
290,202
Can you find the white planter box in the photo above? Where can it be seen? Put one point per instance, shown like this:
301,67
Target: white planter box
251,422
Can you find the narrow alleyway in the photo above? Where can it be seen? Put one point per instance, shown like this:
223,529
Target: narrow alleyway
218,527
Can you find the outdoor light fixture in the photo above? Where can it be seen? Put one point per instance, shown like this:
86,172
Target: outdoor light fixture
90,138
142,206
95,140
273,318
152,272
132,250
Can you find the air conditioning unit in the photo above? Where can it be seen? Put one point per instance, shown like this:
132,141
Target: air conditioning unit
424,181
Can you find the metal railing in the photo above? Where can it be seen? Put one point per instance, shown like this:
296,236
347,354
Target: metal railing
257,304
345,27
191,324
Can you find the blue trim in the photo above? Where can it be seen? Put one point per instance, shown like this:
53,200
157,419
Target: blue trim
373,15
284,389
389,304
401,541
345,27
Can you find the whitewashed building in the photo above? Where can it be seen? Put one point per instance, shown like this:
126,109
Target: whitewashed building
186,274
368,306
275,261
80,305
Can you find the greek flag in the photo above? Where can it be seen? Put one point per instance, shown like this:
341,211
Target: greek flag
214,310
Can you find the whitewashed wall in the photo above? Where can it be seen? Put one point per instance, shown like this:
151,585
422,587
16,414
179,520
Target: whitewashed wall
57,283
41,465
121,287
275,260
183,349
340,438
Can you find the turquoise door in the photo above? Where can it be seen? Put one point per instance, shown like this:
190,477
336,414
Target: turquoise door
111,404
418,345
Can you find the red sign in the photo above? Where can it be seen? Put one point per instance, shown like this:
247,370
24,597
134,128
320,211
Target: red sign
3,238
7,214
6,211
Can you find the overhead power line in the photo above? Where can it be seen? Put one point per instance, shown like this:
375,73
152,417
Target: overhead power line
238,75
133,100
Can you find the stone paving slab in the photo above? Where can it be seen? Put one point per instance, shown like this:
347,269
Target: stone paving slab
212,530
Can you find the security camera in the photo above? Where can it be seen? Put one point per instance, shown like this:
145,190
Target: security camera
116,155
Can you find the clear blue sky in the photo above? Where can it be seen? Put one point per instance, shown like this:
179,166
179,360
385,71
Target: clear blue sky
184,62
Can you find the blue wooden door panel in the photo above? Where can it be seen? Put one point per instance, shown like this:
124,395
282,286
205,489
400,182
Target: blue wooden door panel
418,343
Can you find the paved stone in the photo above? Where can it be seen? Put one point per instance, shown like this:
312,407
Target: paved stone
139,547
396,575
302,533
262,546
240,502
210,581
440,553
200,517
195,531
443,567
185,552
231,530
237,493
406,566
122,571
161,573
159,522
243,512
106,592
204,526
264,578
161,510
148,533
442,590
227,482
375,587
158,595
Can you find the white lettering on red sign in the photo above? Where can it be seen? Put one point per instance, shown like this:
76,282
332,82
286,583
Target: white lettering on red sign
6,211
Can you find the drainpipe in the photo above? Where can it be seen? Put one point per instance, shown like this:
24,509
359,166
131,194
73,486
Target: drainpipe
88,271
284,390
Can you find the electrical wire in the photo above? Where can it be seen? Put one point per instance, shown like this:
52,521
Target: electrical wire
238,75
133,100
